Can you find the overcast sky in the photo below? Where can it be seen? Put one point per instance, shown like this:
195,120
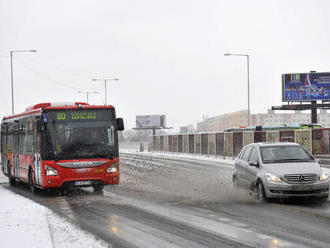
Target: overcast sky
168,55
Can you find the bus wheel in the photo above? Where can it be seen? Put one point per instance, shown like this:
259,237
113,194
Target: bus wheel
11,179
98,188
31,183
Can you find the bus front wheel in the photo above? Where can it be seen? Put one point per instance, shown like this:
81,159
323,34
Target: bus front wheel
98,188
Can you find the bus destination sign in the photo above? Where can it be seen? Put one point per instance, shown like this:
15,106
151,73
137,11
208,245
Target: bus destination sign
78,115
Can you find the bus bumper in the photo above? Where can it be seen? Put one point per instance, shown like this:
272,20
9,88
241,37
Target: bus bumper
86,181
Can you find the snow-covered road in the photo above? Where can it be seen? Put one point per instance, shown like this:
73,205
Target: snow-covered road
163,200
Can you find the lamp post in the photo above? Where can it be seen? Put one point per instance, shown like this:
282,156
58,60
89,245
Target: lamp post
105,80
87,93
248,78
12,74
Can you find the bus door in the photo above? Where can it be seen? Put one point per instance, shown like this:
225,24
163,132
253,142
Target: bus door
16,151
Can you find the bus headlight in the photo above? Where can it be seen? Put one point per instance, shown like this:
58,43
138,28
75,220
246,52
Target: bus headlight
113,168
50,171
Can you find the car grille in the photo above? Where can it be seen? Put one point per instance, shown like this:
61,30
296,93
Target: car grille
300,178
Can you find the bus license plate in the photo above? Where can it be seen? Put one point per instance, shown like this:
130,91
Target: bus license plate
81,183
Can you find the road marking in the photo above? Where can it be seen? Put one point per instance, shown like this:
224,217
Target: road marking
239,224
224,219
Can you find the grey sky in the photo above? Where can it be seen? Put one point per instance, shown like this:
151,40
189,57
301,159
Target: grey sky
167,54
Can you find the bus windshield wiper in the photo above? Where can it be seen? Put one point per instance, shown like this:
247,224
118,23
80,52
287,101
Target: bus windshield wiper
58,156
102,155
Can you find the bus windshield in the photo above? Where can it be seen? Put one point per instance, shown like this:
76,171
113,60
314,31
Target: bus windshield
80,139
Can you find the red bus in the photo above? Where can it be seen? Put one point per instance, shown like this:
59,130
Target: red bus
62,145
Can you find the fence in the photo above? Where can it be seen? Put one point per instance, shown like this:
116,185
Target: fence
230,144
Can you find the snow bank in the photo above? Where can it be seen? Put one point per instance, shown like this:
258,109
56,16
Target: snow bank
26,224
210,158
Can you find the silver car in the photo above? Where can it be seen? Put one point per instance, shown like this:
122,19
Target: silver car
280,170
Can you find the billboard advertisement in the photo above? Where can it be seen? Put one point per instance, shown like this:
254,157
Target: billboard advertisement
150,121
305,87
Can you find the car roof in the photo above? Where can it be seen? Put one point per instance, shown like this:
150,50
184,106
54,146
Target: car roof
265,144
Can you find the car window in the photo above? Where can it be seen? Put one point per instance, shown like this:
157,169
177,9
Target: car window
284,154
254,155
240,155
246,154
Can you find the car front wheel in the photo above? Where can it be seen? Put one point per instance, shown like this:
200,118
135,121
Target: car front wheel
261,192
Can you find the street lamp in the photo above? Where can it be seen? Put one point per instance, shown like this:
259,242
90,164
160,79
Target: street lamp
87,93
12,74
248,78
105,80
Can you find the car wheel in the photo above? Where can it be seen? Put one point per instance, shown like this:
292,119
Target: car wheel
261,193
11,179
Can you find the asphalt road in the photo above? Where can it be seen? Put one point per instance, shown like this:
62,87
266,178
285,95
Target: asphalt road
181,202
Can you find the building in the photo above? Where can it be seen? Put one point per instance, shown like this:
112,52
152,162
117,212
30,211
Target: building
220,123
187,129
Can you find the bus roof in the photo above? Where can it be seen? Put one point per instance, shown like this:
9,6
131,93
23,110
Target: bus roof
37,108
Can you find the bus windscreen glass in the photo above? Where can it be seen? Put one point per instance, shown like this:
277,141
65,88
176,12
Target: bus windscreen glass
80,134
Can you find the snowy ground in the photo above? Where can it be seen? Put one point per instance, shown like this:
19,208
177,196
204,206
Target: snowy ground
220,159
26,224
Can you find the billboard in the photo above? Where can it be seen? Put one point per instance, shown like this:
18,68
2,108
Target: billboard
150,121
305,87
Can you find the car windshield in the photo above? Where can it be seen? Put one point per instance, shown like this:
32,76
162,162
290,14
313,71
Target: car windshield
284,154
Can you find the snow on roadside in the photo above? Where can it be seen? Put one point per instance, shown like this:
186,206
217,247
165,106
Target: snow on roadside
25,224
64,234
223,160
3,178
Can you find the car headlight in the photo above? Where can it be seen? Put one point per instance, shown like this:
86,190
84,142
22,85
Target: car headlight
273,178
324,176
50,171
113,168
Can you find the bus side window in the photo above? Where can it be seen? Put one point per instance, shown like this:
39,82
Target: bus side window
37,143
111,135
10,139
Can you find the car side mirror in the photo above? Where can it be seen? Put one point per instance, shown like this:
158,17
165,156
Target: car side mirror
318,160
254,163
120,124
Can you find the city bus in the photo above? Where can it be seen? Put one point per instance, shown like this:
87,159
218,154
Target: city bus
62,145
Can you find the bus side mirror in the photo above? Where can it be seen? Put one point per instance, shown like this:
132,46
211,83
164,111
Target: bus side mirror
120,124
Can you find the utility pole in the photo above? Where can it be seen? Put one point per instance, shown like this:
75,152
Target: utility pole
12,75
105,80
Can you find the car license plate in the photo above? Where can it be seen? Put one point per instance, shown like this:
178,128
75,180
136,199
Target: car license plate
305,187
81,183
